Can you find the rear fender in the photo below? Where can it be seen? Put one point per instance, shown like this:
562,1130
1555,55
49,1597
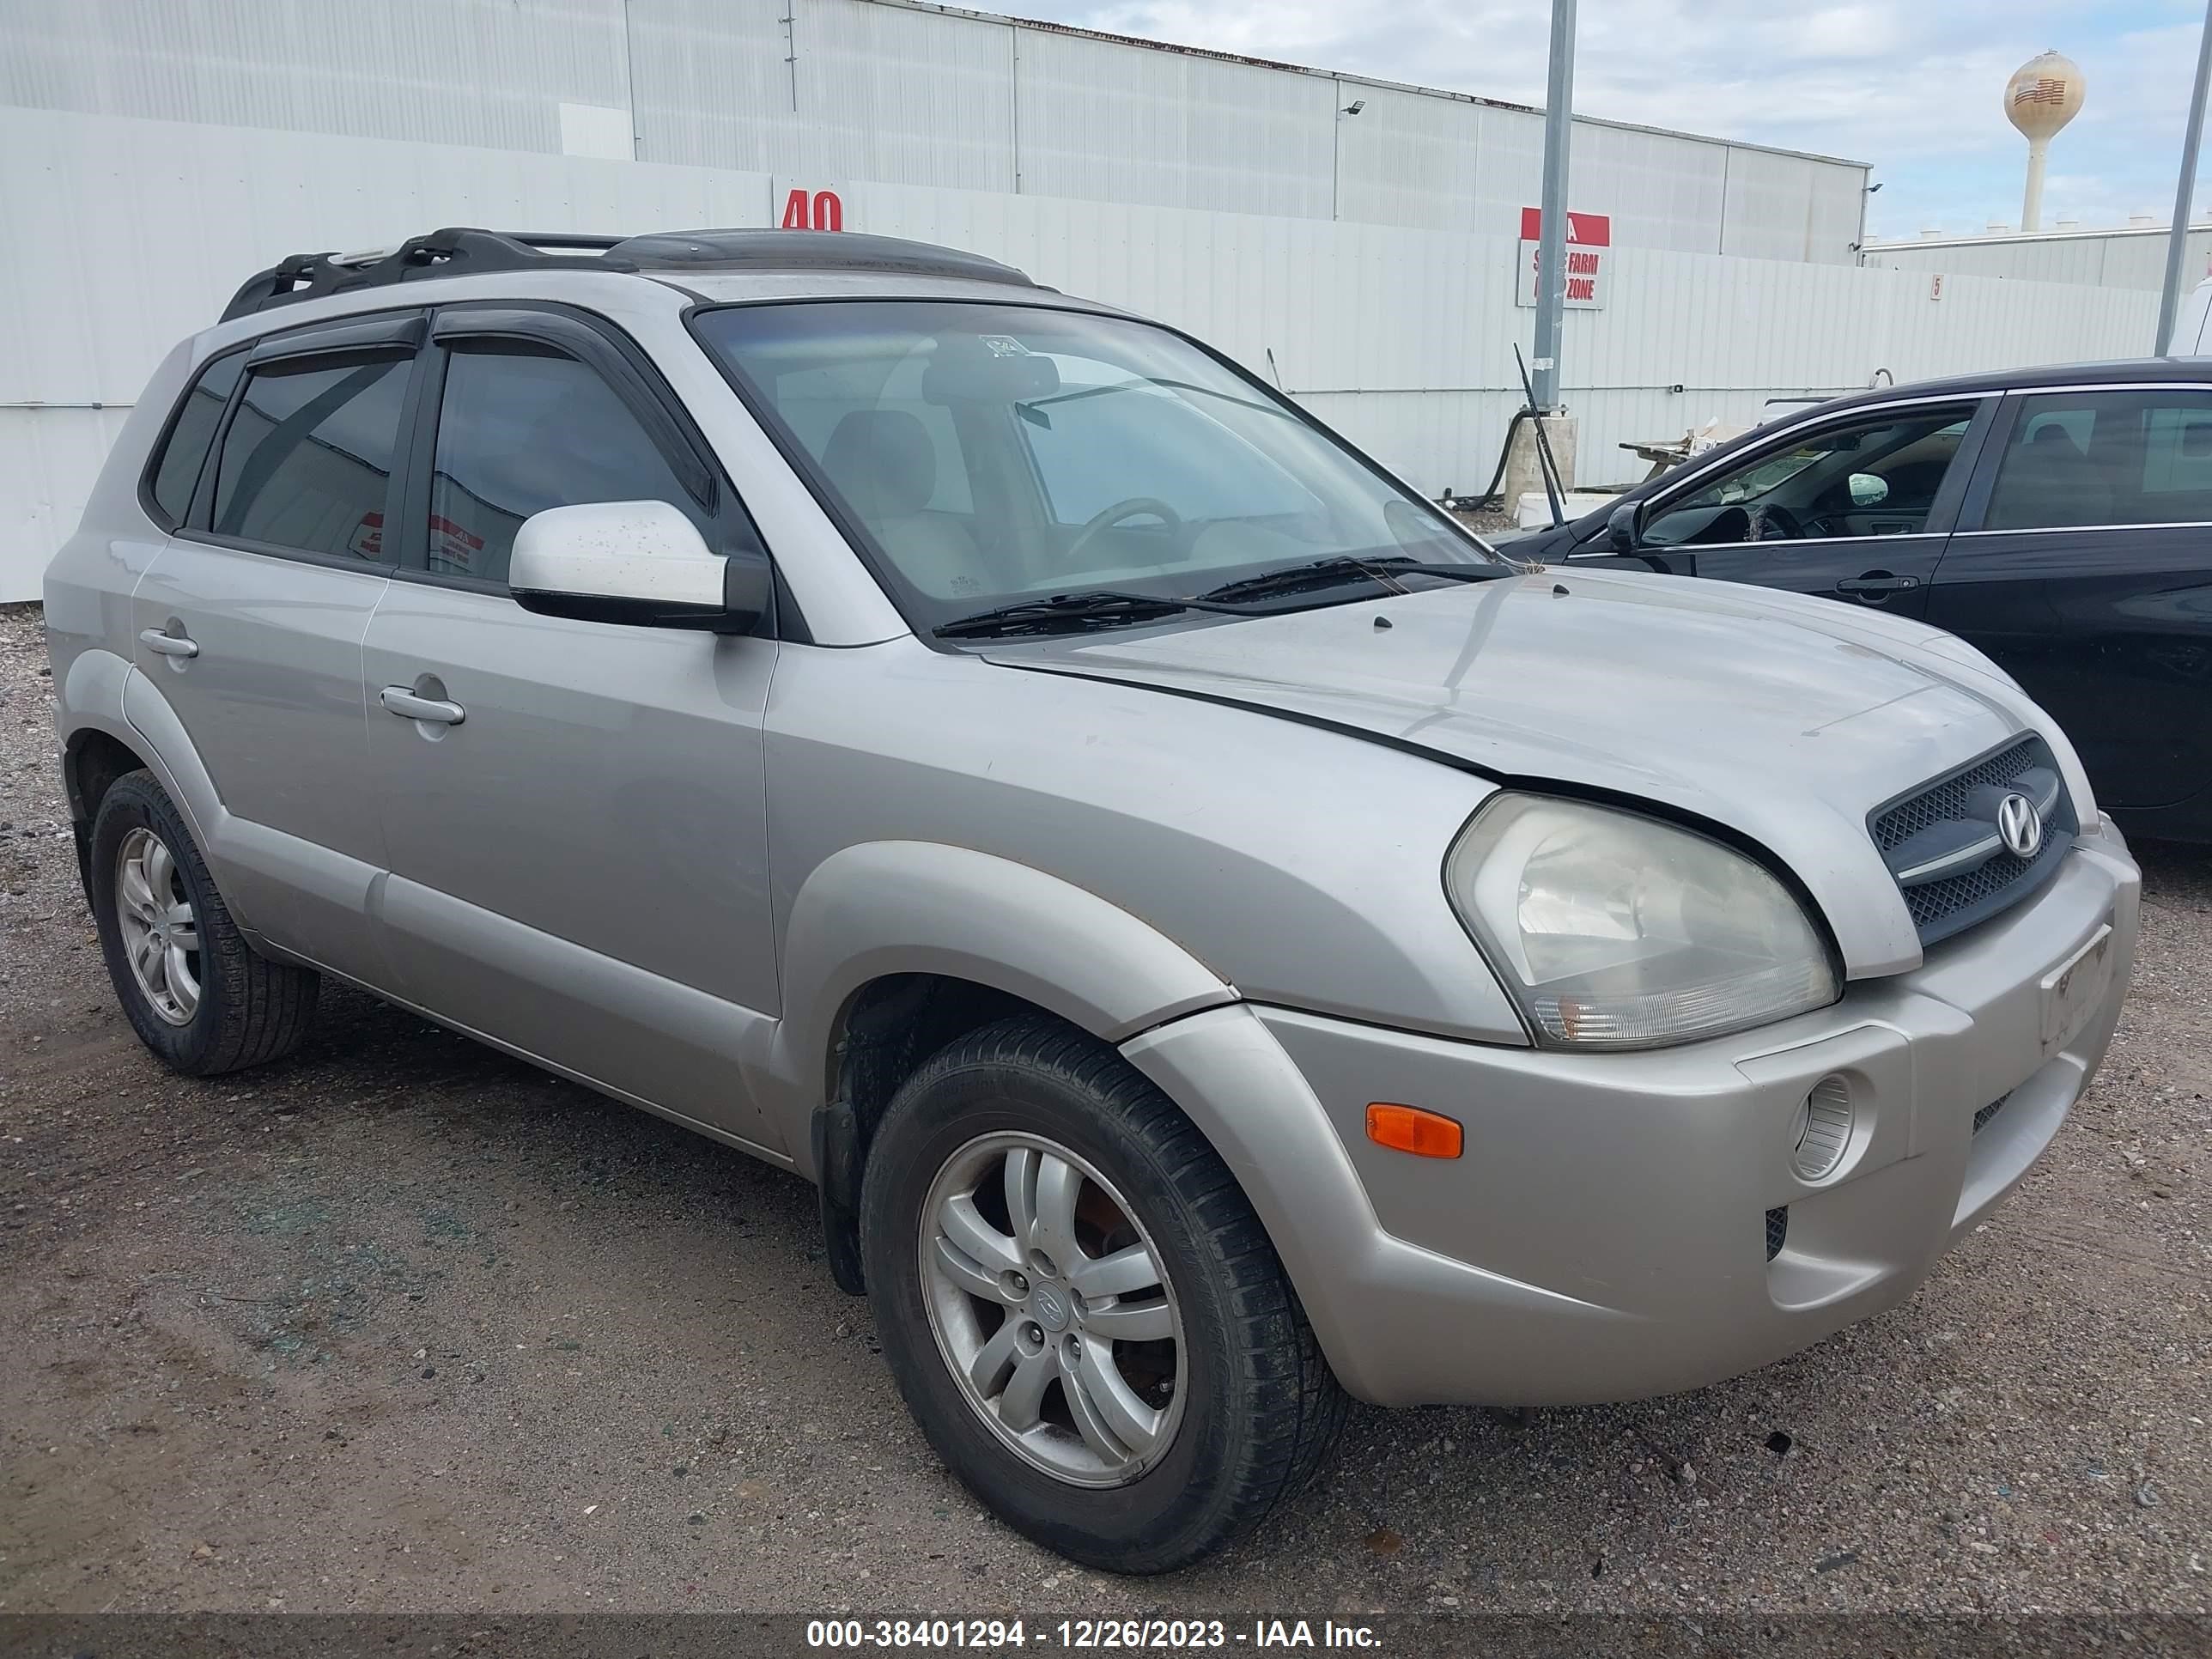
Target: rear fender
105,693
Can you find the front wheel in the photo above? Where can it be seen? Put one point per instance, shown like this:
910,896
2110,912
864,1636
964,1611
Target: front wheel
1080,1307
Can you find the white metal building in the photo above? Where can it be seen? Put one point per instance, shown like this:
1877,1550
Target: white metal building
894,92
152,153
2128,256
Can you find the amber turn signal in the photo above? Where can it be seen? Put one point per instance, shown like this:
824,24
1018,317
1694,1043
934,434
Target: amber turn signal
1410,1129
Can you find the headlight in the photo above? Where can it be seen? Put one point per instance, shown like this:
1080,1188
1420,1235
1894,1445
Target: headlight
1614,931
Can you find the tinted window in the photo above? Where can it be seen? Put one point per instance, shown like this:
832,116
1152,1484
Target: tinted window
2106,458
308,454
179,468
521,430
1879,477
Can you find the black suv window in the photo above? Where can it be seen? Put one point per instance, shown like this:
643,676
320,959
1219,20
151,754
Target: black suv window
191,429
520,429
2106,458
308,455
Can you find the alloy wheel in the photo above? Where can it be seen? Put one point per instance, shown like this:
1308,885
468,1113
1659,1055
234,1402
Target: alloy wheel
161,934
1052,1309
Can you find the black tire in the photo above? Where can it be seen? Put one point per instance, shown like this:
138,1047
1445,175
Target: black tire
1261,1407
249,1009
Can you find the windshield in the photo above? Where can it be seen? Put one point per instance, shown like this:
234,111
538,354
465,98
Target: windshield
987,454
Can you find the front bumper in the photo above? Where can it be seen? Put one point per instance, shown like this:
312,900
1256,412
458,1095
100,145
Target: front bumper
1605,1235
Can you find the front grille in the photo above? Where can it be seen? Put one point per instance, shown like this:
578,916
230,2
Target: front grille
1959,809
1778,1230
1989,1112
1937,901
1948,799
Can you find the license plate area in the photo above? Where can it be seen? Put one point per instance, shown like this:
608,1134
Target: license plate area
2074,990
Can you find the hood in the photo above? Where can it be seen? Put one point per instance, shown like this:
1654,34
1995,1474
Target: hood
1784,717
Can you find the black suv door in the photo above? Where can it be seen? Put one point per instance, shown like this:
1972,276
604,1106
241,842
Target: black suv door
1855,508
2083,565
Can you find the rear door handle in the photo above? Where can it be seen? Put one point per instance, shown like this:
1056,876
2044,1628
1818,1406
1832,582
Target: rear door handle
168,644
1876,582
405,704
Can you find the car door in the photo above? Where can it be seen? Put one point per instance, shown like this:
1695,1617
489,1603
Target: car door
1855,508
249,622
577,829
2083,565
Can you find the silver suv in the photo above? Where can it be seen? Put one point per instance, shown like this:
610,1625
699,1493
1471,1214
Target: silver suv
1219,937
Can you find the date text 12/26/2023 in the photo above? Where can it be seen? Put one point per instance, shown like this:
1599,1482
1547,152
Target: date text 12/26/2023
1086,1635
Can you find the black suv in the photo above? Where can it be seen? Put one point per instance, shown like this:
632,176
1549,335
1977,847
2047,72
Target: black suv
2059,519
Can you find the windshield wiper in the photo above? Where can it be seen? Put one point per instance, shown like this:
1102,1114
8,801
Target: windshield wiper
1105,606
1328,573
1096,606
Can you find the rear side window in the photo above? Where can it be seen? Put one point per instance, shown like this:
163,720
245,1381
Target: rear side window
307,459
521,428
177,469
2106,458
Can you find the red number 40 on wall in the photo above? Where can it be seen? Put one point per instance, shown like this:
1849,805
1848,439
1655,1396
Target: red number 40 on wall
821,212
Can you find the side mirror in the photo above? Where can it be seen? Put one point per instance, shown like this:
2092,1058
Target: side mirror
1867,491
641,563
1620,528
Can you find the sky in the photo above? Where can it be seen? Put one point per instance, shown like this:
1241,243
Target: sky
1912,86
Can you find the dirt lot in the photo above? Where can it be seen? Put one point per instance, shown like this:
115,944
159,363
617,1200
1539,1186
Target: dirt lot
401,1324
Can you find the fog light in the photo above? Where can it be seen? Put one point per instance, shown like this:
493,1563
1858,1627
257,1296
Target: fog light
1823,1129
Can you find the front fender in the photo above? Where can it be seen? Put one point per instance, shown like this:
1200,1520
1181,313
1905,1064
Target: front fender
912,907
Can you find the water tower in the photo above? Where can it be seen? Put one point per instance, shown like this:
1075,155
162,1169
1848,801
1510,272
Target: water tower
2043,95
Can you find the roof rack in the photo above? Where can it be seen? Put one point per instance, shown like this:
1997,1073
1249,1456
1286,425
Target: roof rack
461,250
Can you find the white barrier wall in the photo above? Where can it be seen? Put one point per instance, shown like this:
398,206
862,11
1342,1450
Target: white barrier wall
121,236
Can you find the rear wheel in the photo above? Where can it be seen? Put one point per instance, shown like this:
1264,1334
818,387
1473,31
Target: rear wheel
1080,1307
195,992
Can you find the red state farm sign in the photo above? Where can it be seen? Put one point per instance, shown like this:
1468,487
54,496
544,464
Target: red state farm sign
1589,237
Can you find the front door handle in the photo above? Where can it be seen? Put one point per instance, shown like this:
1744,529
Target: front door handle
1876,582
168,644
409,707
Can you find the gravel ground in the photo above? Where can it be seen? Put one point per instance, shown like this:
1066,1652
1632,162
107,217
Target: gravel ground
402,1325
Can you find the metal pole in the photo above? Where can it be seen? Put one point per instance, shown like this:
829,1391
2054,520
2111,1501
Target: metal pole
1552,245
2176,239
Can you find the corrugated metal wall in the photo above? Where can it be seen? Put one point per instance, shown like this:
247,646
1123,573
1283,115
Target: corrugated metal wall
490,72
847,91
2115,259
124,236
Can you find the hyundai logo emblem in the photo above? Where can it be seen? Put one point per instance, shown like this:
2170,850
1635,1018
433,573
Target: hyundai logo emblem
2019,826
1051,1310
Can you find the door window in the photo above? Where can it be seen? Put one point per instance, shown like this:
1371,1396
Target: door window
522,428
308,455
191,431
1878,477
2106,458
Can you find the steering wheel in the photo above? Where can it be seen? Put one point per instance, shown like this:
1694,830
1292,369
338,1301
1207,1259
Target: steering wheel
1774,523
1112,515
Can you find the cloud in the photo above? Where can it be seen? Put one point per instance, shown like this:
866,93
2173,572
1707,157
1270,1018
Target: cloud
1913,87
